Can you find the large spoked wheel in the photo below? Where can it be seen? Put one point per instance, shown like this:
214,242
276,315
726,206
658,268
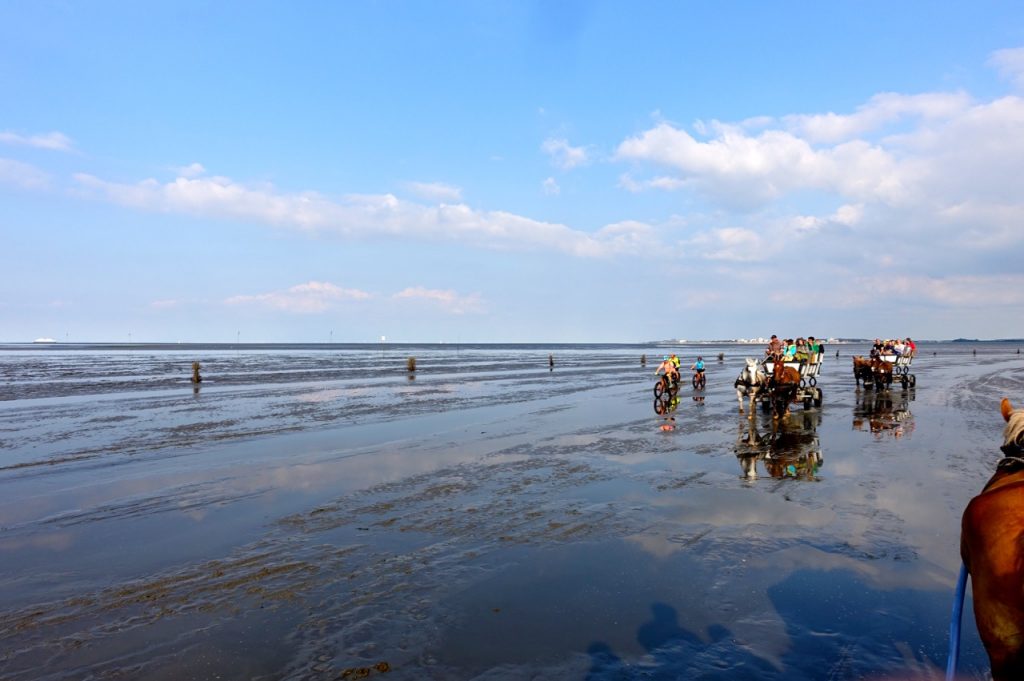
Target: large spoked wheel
912,380
817,397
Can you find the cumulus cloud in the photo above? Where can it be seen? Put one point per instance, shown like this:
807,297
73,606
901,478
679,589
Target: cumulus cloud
435,191
54,141
353,216
563,155
22,175
191,170
447,300
1010,64
309,298
743,171
939,165
880,111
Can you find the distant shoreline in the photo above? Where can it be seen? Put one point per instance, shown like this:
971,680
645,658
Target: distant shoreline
377,346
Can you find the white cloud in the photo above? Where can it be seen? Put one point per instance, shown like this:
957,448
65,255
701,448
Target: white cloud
435,191
166,304
54,141
22,175
308,298
550,187
881,110
191,170
563,155
354,216
955,291
1010,64
448,300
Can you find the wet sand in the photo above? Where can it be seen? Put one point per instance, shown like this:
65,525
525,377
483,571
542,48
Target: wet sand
320,515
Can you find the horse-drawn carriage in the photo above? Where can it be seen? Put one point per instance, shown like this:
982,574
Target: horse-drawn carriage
778,383
900,365
881,370
807,390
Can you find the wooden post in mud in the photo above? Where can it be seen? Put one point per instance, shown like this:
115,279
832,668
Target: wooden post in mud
551,362
410,364
643,360
196,378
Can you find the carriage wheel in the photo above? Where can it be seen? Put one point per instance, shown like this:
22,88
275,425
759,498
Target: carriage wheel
817,398
904,381
913,380
808,401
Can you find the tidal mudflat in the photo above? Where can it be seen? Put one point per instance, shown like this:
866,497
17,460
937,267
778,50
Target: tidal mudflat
319,514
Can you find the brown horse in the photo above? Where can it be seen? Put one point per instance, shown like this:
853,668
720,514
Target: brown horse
992,548
862,370
782,388
872,371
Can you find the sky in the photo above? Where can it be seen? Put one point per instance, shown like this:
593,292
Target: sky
510,171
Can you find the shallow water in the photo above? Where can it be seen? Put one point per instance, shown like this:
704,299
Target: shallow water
309,512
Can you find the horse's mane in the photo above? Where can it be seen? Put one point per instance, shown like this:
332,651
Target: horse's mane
1014,431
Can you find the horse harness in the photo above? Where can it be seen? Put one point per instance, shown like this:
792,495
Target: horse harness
1014,453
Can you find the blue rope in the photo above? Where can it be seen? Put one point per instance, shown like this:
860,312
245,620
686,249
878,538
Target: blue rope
954,624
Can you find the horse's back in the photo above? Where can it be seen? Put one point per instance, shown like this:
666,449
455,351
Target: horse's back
992,547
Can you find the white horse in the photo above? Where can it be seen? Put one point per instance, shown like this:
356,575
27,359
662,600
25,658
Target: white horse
750,381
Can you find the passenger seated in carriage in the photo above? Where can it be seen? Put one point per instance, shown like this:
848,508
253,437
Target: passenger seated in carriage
814,349
801,352
775,348
790,351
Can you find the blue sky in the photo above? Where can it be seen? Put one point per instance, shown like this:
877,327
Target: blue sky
510,171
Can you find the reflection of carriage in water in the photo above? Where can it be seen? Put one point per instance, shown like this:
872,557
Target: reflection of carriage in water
882,413
790,450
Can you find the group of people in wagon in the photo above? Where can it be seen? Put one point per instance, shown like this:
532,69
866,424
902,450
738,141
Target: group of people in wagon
789,350
892,346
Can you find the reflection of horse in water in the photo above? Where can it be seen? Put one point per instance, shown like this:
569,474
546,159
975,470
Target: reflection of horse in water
992,548
751,381
791,449
884,413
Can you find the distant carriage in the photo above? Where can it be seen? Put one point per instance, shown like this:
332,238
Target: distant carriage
900,365
880,371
